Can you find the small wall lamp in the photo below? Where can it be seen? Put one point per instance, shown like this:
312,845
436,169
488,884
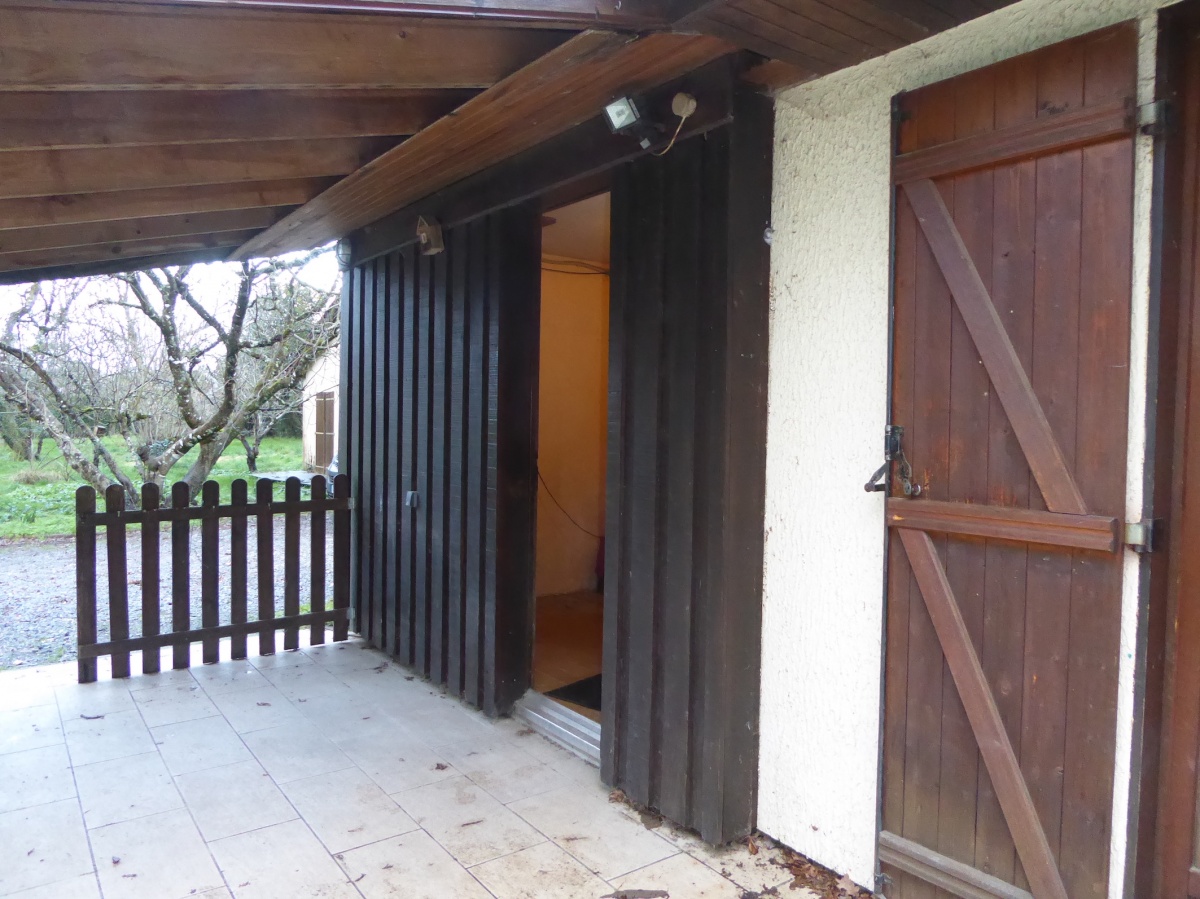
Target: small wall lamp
624,117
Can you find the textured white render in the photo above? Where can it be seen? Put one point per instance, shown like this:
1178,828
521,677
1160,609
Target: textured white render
824,587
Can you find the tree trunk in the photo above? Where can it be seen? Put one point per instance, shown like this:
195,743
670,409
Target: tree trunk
251,453
207,455
14,438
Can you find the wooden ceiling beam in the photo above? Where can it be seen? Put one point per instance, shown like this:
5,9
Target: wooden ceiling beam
71,46
115,253
51,237
40,173
109,267
54,120
631,14
76,209
557,92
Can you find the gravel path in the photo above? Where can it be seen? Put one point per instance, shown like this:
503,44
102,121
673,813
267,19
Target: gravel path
37,590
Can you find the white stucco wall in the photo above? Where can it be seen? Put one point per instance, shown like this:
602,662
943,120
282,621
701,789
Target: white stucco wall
823,590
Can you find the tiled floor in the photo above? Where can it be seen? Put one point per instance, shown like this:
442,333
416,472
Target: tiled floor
325,772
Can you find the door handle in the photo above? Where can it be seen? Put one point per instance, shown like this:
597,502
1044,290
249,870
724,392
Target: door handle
893,451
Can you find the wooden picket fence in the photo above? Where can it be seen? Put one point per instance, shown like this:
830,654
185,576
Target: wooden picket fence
116,518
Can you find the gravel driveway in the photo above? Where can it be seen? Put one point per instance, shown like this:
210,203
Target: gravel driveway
37,589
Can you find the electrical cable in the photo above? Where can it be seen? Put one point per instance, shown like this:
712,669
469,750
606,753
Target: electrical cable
570,517
667,149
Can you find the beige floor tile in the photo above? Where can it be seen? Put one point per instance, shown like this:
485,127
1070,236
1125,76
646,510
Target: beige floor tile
228,677
344,657
295,751
123,789
233,799
681,876
412,866
280,659
30,728
174,703
196,745
395,763
345,713
281,862
116,735
156,857
42,845
99,698
18,690
451,723
346,809
35,777
506,771
540,872
470,824
83,887
597,832
257,708
167,678
753,873
304,682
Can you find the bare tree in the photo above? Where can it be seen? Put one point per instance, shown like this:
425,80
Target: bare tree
143,356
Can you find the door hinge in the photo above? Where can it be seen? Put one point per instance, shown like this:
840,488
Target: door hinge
1144,536
1156,119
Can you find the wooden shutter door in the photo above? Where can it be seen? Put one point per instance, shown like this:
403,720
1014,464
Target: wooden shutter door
1010,379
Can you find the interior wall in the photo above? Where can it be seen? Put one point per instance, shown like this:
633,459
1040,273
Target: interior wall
824,559
572,424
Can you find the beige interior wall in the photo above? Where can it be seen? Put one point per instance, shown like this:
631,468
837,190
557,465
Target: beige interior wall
572,428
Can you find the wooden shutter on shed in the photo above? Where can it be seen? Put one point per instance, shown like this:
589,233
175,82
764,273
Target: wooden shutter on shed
687,451
1010,379
440,362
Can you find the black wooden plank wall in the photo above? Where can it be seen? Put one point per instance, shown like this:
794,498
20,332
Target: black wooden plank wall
687,450
439,398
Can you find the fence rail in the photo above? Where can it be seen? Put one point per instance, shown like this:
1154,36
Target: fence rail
179,515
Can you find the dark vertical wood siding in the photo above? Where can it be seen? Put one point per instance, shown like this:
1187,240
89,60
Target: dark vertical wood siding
440,374
687,441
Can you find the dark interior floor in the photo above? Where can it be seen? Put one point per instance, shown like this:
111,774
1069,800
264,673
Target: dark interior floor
568,643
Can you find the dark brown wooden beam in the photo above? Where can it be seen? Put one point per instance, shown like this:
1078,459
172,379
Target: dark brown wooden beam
109,267
120,232
40,173
632,14
550,96
74,209
55,120
103,253
55,46
576,157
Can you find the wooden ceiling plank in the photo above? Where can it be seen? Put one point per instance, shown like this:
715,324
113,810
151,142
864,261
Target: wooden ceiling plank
922,13
55,120
39,173
76,209
743,38
774,75
598,65
807,43
823,23
632,14
885,20
35,259
57,47
108,266
53,237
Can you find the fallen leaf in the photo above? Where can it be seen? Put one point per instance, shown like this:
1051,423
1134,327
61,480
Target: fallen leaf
440,766
751,845
116,859
262,703
90,717
471,823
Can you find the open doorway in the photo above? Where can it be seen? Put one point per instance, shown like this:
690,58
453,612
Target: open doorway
572,432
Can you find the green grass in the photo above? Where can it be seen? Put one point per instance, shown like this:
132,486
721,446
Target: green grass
48,509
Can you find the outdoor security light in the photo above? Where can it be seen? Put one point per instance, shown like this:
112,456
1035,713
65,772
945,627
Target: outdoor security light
622,113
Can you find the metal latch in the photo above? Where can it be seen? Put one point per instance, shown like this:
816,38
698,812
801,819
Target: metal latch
893,451
1144,536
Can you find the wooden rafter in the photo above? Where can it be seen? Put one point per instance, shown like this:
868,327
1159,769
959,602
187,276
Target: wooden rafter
105,234
135,249
56,47
74,209
562,89
640,14
54,120
39,173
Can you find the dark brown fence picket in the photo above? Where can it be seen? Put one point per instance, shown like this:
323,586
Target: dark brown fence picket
180,514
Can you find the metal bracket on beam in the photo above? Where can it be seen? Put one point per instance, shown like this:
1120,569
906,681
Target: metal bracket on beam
1157,119
1144,536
